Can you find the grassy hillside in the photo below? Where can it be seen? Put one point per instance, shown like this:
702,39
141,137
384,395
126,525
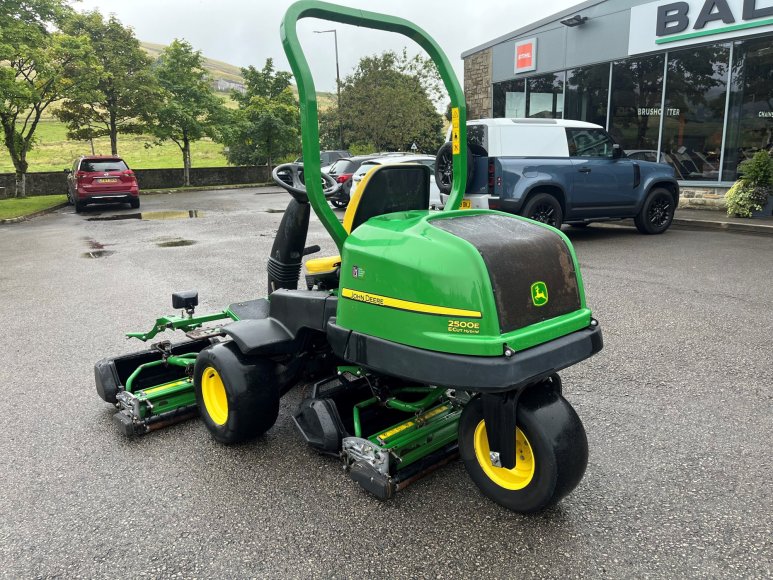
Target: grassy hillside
222,70
217,69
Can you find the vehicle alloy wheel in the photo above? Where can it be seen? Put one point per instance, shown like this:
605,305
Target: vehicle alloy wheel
656,213
444,168
544,208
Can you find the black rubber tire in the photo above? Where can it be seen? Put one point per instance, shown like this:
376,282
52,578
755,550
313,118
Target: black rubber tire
444,168
252,392
79,207
340,203
657,212
545,208
558,442
135,203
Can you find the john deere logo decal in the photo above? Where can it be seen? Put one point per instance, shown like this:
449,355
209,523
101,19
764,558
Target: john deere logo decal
539,293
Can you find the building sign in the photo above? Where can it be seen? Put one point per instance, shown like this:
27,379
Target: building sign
526,55
667,24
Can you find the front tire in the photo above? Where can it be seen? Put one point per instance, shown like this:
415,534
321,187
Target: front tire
544,208
656,213
237,396
551,452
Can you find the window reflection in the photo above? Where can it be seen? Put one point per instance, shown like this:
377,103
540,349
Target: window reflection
587,91
750,122
695,110
545,96
510,99
635,109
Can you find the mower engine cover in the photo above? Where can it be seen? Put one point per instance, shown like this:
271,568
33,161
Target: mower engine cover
473,282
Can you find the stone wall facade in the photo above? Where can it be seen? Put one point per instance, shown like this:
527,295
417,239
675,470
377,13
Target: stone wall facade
477,84
55,182
703,197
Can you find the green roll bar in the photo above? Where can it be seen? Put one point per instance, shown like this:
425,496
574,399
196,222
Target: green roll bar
307,96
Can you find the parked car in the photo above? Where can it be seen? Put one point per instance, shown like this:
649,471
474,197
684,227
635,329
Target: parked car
560,171
428,160
101,179
342,171
327,158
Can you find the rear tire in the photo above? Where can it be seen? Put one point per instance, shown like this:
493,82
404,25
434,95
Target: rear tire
237,396
552,452
134,203
656,213
79,207
544,208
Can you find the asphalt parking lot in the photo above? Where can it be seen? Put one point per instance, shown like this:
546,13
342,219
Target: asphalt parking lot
677,407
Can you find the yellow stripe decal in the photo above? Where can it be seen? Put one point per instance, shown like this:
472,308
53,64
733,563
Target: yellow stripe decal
388,302
408,424
152,390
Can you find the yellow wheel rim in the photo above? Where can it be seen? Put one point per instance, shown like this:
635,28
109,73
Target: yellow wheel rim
213,393
512,479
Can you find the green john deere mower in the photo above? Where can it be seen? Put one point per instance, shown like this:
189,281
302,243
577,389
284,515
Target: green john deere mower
432,335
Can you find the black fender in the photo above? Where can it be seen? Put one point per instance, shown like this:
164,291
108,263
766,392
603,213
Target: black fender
500,411
291,315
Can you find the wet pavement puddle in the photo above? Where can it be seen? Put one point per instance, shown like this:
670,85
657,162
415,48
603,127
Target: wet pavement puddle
175,243
97,254
151,215
96,249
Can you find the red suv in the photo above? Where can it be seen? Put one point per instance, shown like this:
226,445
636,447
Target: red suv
101,179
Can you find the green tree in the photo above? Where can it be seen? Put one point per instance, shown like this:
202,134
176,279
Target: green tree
383,108
39,65
266,124
125,90
188,108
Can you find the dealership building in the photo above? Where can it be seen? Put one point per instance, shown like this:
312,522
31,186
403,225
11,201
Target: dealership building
688,83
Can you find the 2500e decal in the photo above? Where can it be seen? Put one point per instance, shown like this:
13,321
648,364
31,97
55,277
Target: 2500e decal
464,326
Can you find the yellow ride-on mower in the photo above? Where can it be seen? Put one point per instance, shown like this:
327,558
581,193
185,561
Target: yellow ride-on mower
431,335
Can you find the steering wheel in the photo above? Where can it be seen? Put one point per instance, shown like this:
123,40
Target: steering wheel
290,177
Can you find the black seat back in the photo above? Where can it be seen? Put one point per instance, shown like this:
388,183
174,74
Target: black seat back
389,189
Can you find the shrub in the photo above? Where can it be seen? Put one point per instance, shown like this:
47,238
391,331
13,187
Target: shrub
751,191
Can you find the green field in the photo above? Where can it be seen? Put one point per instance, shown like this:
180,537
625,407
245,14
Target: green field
54,152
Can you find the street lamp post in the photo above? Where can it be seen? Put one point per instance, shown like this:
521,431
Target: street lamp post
338,84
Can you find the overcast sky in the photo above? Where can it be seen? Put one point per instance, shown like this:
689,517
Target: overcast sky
243,32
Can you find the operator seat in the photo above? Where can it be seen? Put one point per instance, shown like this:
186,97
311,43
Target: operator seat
384,189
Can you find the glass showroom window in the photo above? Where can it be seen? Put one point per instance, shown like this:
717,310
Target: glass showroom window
750,122
636,93
587,91
510,99
696,91
545,96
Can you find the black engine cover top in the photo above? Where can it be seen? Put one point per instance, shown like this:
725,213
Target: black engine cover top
519,253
